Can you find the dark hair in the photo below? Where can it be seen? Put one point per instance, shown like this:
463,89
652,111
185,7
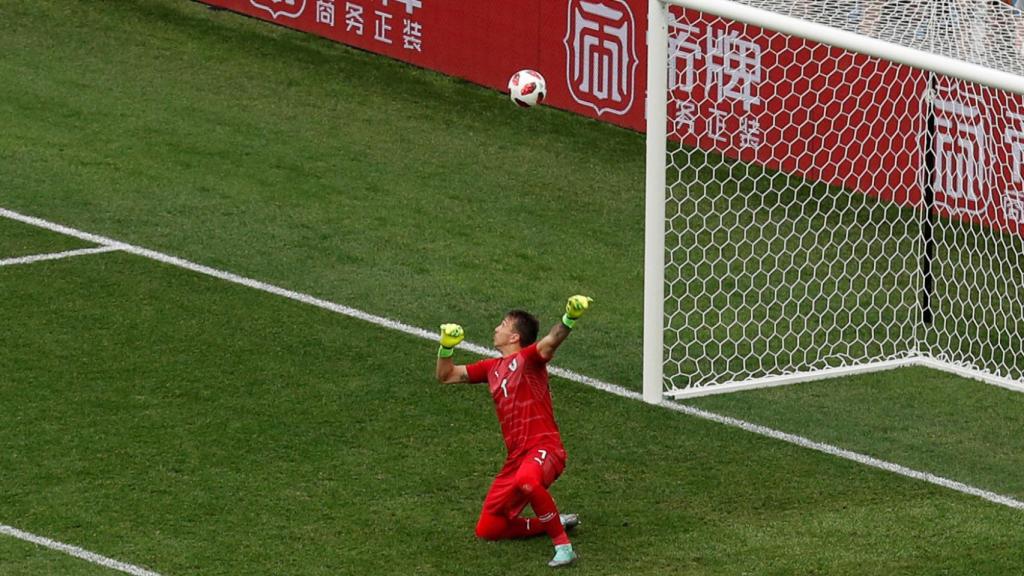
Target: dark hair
525,324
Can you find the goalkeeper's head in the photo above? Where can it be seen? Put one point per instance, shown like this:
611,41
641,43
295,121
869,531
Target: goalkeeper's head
518,328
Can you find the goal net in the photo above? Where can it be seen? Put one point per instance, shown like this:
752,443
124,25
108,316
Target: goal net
840,186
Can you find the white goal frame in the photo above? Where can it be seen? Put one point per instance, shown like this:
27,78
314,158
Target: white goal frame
655,209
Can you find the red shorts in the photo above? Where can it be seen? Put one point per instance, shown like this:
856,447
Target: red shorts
503,499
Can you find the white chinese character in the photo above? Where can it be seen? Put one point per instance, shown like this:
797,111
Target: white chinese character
381,26
716,125
412,35
354,18
686,115
681,48
734,67
1013,200
325,12
750,132
601,57
960,161
1014,136
1013,207
410,5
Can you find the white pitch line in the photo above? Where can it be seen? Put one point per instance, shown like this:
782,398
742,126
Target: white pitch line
847,455
56,255
560,372
76,552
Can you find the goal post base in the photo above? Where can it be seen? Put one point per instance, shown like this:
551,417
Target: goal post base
798,377
972,373
794,378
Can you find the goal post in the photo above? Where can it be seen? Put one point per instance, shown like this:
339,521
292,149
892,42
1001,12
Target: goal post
654,201
833,188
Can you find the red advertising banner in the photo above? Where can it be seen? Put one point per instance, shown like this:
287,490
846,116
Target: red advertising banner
588,51
846,119
786,103
796,106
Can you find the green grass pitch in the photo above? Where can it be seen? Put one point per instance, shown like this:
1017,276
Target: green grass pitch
192,426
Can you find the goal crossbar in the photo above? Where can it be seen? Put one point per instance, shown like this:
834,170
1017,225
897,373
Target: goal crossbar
857,43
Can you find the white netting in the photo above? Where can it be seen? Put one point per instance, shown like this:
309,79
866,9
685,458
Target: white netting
983,32
801,234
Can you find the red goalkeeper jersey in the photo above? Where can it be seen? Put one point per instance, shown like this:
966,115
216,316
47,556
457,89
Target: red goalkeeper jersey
519,386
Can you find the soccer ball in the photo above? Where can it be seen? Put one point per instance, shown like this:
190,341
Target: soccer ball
527,88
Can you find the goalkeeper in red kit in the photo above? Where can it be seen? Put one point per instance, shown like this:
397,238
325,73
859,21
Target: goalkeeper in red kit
518,383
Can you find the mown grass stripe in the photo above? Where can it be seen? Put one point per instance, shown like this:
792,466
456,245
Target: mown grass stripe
559,372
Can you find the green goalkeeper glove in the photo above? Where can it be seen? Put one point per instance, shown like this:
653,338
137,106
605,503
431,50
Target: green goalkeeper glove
451,335
575,308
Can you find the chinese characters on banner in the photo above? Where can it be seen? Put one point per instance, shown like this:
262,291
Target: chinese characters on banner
979,155
719,75
1013,200
601,59
715,75
960,153
392,22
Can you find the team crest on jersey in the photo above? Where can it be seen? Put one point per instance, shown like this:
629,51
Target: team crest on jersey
281,8
600,55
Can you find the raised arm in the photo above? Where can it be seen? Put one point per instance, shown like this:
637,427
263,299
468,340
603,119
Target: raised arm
574,308
447,371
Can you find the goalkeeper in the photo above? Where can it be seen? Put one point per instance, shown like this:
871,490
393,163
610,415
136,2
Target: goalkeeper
518,383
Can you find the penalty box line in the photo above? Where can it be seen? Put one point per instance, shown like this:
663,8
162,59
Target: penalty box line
559,372
56,255
75,551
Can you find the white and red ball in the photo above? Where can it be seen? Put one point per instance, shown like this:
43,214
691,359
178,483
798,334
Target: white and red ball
527,88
